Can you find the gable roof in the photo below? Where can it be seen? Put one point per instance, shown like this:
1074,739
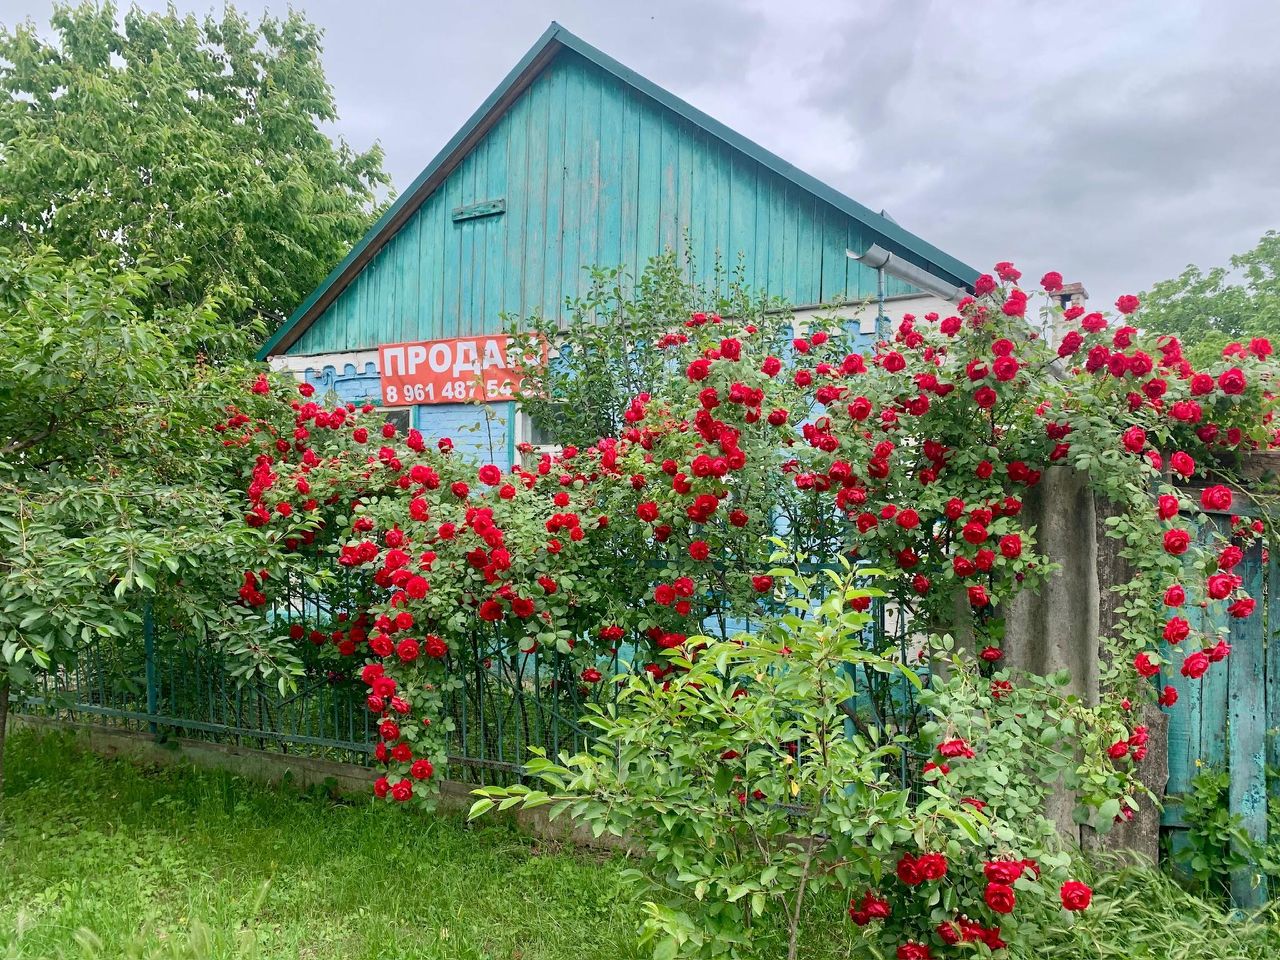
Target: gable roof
552,42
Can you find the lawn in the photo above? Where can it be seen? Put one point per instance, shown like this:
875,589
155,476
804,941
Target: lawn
102,858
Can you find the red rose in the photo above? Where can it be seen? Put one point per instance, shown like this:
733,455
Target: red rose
978,596
909,870
591,675
1176,629
991,654
699,550
1011,546
1182,463
1175,596
1134,439
698,369
381,787
914,951
1075,895
421,770
1127,303
1051,282
1216,497
1195,665
1003,871
762,583
491,611
1005,368
1000,897
1145,666
1242,608
402,791
984,284
932,866
1070,344
490,475
1176,541
1168,697
1220,585
985,397
1166,506
1232,381
771,366
435,647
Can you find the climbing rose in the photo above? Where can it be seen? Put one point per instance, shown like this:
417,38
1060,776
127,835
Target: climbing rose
762,583
1003,871
1168,697
1127,303
1075,895
1135,438
1216,497
421,770
1195,665
490,475
1232,381
1182,463
1145,666
932,866
402,791
1176,541
1051,282
914,951
1000,897
1242,608
1166,506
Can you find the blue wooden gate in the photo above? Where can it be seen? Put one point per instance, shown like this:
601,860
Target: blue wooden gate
1228,719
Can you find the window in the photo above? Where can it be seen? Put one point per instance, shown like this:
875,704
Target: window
538,433
402,417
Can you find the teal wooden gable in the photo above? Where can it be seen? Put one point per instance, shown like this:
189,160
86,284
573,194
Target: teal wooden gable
576,162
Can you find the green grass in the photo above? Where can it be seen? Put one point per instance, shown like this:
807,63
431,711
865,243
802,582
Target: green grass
106,859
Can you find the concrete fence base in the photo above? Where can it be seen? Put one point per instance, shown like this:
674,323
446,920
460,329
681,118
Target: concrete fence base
271,768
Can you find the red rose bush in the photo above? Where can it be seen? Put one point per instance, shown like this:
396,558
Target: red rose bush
665,566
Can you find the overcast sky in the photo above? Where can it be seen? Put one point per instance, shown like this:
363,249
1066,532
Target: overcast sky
1114,141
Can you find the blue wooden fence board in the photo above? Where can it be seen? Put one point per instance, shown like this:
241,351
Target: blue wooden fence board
1246,727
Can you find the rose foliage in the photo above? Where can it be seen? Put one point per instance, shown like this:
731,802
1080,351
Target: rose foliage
779,482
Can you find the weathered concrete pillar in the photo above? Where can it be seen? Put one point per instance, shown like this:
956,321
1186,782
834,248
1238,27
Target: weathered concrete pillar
1138,839
1055,627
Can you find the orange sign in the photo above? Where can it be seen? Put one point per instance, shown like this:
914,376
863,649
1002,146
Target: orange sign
461,370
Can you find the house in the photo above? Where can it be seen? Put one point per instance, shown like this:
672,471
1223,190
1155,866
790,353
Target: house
573,162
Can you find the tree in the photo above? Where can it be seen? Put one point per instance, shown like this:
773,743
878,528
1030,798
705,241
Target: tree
196,142
1209,310
110,494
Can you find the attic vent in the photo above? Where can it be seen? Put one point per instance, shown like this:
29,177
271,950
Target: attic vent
474,211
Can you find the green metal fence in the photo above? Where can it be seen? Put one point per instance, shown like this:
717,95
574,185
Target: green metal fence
499,709
497,704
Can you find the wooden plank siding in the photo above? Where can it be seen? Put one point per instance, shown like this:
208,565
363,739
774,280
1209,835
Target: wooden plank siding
593,173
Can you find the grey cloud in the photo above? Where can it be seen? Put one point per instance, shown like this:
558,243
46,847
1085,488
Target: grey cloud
1113,140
